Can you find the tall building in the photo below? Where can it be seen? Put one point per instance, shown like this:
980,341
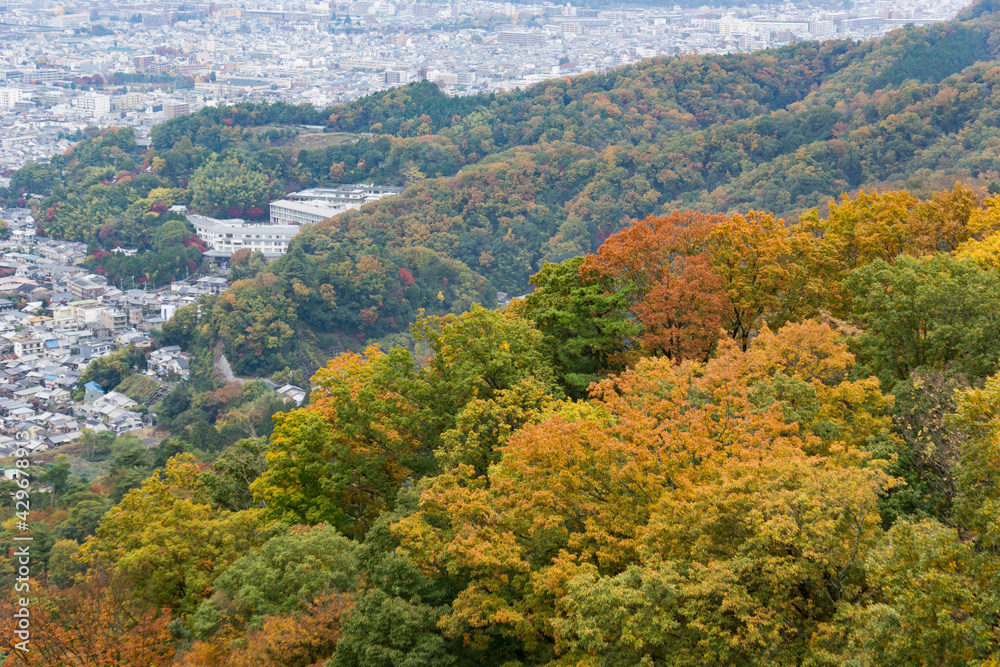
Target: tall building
142,61
93,105
822,28
173,109
9,97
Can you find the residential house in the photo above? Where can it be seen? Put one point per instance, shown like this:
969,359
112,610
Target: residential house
292,393
213,284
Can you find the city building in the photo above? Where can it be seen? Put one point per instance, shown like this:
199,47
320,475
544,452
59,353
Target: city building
94,106
9,97
174,109
142,61
87,287
520,38
70,20
113,319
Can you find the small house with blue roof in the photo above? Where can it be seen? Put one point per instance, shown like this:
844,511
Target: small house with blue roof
92,392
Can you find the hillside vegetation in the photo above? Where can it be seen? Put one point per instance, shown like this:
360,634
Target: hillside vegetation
718,439
751,434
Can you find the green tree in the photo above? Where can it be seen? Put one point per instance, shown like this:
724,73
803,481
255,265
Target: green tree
236,468
926,312
587,327
934,603
223,186
62,564
977,471
479,354
109,371
170,233
57,475
84,516
257,322
396,611
284,575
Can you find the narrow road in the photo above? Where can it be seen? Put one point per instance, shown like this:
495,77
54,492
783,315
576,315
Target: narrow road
222,367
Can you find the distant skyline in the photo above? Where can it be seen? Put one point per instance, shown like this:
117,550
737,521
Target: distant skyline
139,64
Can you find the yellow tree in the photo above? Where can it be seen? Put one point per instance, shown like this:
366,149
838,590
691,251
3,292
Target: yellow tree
870,226
883,225
983,251
167,541
942,222
760,261
985,220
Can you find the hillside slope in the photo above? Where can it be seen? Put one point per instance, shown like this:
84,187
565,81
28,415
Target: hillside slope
499,184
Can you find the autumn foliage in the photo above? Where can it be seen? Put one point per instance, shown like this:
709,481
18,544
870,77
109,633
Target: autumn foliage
664,264
716,440
95,623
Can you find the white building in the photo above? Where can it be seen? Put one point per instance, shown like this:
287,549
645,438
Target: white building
355,193
70,20
228,236
9,97
315,204
822,28
286,212
28,346
94,106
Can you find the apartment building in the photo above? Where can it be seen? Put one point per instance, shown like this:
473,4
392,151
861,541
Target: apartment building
94,106
113,319
520,38
87,287
27,346
9,97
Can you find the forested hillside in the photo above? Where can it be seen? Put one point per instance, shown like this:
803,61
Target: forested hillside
501,184
760,429
719,439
